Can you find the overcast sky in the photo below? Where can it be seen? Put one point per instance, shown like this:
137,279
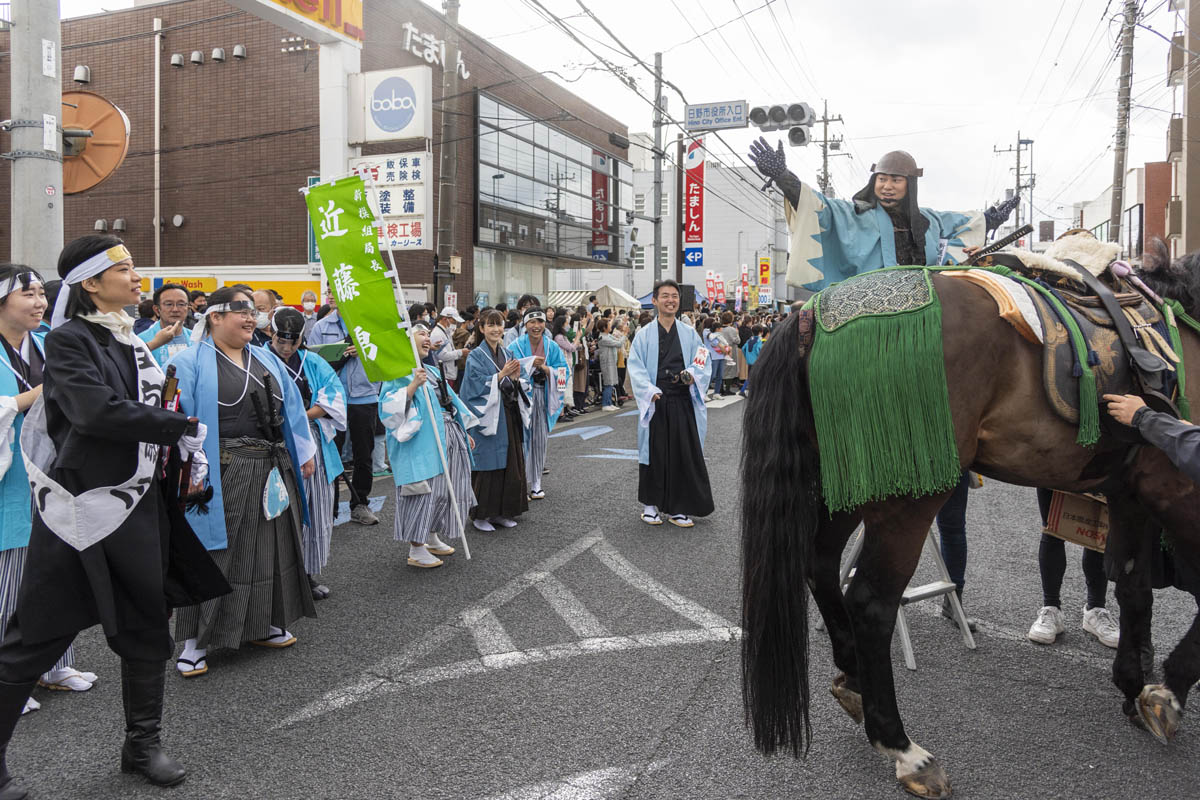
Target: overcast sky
947,80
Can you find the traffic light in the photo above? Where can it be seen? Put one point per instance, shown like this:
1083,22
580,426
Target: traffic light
797,118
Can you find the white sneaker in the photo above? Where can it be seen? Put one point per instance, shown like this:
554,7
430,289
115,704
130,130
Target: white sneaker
609,408
1047,626
1099,623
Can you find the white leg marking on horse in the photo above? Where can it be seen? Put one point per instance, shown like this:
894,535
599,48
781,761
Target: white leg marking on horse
1161,688
910,760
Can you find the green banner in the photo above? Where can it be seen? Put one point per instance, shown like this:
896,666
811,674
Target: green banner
344,228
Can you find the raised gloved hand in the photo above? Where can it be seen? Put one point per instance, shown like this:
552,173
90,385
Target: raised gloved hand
188,445
770,163
998,214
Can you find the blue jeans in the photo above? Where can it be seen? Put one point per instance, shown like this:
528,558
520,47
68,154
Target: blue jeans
607,396
952,527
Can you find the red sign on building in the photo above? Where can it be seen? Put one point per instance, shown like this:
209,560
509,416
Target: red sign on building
693,192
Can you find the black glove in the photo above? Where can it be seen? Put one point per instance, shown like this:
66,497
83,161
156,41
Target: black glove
998,214
771,163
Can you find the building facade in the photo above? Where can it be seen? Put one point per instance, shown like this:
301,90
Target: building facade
240,136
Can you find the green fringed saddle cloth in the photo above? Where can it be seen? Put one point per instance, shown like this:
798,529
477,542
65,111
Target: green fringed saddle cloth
877,378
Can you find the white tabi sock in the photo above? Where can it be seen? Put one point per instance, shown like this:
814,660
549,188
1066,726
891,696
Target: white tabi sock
504,522
434,541
483,525
191,653
420,553
649,511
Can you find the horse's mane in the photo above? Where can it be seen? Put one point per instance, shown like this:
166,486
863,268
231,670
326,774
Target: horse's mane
1176,280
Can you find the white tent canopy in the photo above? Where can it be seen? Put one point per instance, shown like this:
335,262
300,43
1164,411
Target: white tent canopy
606,297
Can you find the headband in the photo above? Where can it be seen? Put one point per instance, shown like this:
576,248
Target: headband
81,272
20,282
200,327
535,313
420,323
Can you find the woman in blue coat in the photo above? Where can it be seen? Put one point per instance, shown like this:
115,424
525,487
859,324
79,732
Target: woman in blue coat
258,446
491,389
325,403
425,508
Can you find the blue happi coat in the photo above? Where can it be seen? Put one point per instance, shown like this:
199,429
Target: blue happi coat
196,369
164,354
831,241
554,359
412,448
15,507
491,449
643,373
328,393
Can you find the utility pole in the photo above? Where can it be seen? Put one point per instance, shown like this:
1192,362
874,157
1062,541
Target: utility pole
1124,79
448,174
658,166
1022,144
36,107
827,144
679,209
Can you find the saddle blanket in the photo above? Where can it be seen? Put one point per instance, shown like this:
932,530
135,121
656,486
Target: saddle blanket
1011,298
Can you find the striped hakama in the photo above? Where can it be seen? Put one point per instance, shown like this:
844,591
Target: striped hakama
539,433
418,514
12,567
317,535
262,560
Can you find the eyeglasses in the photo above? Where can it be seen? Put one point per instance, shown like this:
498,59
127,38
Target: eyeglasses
174,305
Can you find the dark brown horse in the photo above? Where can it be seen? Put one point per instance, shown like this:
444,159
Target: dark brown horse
1005,429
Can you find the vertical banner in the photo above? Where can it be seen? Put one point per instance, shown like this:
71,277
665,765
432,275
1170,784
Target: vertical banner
720,280
347,238
710,288
744,282
600,208
764,271
693,192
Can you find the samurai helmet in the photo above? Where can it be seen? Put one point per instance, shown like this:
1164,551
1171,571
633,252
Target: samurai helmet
898,162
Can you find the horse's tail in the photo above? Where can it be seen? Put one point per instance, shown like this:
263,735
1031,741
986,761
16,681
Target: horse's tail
781,508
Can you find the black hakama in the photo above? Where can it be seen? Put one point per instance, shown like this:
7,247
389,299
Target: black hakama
504,492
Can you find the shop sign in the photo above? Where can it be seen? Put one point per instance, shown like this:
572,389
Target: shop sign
693,192
431,49
320,20
391,104
402,188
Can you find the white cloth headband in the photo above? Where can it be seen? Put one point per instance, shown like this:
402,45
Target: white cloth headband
200,328
80,273
20,282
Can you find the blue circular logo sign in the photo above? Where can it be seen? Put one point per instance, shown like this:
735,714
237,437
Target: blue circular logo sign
393,104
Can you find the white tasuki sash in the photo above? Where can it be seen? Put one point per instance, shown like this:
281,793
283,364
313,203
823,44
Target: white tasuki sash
85,519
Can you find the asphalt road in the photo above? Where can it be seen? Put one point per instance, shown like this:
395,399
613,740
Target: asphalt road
586,655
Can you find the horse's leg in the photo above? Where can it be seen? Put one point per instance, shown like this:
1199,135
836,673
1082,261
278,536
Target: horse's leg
1128,532
1160,707
895,535
824,582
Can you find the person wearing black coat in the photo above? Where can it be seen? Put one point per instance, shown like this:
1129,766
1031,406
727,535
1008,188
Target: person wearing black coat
100,421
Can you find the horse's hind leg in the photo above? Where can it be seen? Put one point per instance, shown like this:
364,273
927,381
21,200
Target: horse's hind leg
895,535
1132,539
825,584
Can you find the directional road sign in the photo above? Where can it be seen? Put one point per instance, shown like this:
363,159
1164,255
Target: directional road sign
693,256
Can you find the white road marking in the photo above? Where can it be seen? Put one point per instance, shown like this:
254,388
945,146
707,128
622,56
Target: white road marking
633,413
599,784
497,650
624,454
584,433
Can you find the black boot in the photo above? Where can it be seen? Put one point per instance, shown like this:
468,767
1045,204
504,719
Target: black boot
12,702
142,684
948,611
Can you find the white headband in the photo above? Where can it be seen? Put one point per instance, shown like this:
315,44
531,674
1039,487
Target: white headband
80,273
200,328
20,282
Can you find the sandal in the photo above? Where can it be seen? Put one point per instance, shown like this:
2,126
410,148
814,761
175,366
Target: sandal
276,640
70,680
682,521
194,668
652,519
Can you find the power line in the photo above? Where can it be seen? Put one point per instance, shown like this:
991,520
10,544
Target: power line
718,27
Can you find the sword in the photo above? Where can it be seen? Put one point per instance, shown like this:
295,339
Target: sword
999,244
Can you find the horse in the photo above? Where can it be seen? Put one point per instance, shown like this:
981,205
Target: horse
1005,429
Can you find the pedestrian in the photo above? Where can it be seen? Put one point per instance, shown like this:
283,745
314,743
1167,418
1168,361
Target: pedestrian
131,557
717,350
562,334
669,370
544,394
441,342
1052,565
146,316
170,334
728,331
197,299
22,305
426,508
579,370
362,411
265,303
258,449
308,302
622,360
750,349
610,344
325,405
491,390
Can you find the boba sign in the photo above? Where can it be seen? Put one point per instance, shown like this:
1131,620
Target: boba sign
394,103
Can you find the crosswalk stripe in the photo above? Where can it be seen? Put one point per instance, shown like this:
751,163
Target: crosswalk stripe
609,556
573,612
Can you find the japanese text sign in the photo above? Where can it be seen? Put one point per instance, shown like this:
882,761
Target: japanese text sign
402,187
717,116
764,270
693,192
344,226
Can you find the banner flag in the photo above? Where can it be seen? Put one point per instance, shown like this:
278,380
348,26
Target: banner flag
347,238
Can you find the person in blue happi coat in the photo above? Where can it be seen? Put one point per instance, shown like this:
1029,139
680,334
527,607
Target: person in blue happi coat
542,361
170,334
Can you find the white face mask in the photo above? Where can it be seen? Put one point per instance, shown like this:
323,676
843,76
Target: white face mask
262,320
309,305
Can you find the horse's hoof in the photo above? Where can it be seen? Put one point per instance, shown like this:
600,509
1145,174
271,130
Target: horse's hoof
1160,712
929,781
848,699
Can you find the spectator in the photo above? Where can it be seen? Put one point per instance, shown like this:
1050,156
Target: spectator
264,304
750,349
441,343
610,345
146,316
199,301
308,302
167,337
526,302
563,336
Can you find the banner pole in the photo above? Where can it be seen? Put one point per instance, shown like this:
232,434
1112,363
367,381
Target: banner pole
369,182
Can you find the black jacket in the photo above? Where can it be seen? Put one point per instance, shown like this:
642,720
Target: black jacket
153,561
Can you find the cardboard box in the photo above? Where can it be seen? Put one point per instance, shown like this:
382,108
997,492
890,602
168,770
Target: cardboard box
1079,518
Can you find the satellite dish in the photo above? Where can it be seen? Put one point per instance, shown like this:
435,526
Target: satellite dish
88,161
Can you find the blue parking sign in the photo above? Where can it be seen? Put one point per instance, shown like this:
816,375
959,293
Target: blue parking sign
693,256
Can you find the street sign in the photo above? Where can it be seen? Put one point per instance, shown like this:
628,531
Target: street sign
717,116
693,256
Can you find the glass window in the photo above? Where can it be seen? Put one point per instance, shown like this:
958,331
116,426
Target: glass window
639,203
541,135
558,142
524,157
524,194
541,164
488,109
488,151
